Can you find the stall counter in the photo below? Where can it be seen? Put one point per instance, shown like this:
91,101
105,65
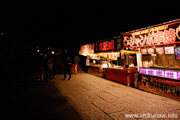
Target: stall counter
120,75
95,70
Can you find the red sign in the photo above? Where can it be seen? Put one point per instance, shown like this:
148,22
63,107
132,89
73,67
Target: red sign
107,45
165,34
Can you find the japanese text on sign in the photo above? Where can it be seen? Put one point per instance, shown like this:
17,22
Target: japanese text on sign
107,45
157,36
166,37
171,74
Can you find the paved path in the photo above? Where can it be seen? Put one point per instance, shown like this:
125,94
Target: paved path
39,101
97,98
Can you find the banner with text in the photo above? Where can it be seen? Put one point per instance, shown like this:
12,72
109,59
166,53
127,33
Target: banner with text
160,35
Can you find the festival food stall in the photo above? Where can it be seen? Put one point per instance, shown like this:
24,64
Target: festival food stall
92,59
112,64
101,55
159,46
123,73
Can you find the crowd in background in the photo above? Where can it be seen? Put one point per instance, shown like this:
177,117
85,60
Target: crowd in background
32,64
48,66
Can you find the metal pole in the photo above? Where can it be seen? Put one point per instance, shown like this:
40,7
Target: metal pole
127,78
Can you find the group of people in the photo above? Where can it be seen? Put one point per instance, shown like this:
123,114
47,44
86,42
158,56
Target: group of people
51,68
49,65
46,67
70,65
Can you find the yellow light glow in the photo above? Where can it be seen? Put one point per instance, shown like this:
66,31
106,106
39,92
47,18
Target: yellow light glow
52,52
128,51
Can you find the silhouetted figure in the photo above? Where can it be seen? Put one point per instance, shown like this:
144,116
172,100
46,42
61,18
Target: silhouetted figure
67,66
75,64
49,68
55,65
40,68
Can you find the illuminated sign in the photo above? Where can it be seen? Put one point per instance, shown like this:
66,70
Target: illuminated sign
171,74
177,32
106,45
169,50
165,34
160,73
178,75
160,50
177,53
150,50
144,51
142,70
87,49
150,71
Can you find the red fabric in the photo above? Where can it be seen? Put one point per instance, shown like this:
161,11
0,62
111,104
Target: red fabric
74,68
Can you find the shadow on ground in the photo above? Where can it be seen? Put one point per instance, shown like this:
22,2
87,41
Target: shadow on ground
41,101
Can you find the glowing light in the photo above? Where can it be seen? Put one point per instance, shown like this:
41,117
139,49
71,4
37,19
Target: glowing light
160,37
52,52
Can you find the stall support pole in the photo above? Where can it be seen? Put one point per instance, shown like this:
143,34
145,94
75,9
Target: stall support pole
127,79
154,57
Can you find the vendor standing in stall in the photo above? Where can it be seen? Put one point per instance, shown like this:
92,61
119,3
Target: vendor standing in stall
132,60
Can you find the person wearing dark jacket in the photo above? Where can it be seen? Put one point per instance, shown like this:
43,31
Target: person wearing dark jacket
67,66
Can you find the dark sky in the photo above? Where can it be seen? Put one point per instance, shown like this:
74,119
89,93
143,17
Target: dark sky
71,26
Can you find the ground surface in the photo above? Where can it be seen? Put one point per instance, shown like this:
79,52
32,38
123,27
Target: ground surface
97,98
41,101
86,97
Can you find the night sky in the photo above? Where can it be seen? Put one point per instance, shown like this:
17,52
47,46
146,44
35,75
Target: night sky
70,27
23,26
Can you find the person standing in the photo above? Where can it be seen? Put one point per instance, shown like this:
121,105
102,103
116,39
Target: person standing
67,66
40,68
55,65
75,64
132,60
49,68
